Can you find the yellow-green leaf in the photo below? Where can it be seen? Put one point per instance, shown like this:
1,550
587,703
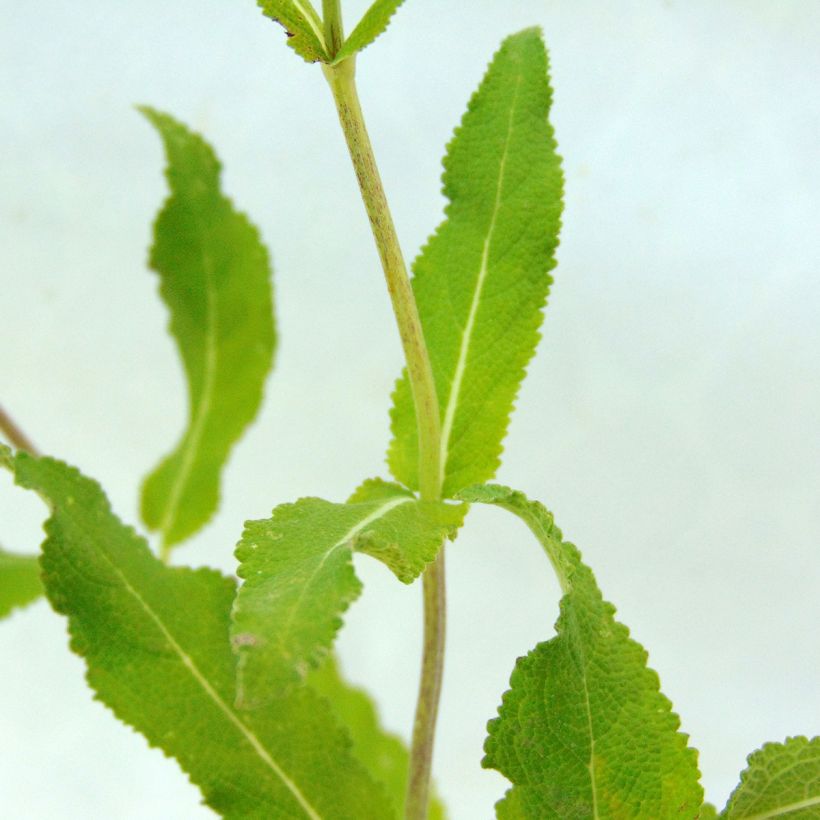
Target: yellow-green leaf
781,780
482,279
298,576
19,581
214,276
302,24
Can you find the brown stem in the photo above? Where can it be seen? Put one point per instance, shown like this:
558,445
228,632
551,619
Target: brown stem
15,435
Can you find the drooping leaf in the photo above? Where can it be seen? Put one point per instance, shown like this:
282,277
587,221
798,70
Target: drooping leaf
298,576
584,730
482,279
302,24
215,278
373,23
384,755
155,640
19,581
781,780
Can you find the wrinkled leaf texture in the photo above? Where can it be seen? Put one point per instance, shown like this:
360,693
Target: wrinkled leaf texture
584,730
155,640
781,780
482,279
298,575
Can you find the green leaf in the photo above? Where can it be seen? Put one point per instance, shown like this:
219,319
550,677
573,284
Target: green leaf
781,780
299,579
215,278
384,755
302,24
155,640
375,21
482,279
19,581
584,730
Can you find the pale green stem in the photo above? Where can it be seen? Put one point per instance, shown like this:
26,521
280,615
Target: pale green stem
341,79
334,33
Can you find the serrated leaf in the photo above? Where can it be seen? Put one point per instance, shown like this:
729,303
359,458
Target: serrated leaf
482,279
781,780
298,576
584,730
383,754
373,23
302,25
215,278
155,640
19,581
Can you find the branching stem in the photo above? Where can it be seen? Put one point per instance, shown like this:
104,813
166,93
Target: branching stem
341,79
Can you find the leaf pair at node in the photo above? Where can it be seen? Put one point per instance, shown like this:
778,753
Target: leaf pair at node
306,31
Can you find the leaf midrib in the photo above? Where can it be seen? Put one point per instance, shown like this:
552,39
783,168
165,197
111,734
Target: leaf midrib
782,810
192,440
188,662
378,513
461,362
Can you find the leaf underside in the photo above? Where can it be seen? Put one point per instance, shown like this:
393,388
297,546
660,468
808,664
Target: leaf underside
781,780
155,640
584,730
215,279
384,755
482,280
299,579
302,24
19,581
373,23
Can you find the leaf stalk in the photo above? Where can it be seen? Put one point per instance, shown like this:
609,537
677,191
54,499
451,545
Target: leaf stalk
16,437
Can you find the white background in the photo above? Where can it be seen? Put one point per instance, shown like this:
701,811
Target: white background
671,419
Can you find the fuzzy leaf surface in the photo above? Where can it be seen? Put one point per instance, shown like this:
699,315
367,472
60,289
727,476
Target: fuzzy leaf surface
298,577
19,581
214,276
482,280
302,24
584,730
155,640
781,780
373,23
383,754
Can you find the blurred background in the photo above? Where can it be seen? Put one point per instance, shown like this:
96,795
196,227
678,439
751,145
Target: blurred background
671,419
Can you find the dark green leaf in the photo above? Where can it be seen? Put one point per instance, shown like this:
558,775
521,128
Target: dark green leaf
155,640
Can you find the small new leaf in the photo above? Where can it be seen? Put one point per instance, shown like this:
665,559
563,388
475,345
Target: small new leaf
375,21
781,780
302,24
384,755
482,279
19,581
298,576
584,730
155,640
215,278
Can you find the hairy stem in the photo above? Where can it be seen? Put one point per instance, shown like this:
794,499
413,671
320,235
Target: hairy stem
341,79
16,437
